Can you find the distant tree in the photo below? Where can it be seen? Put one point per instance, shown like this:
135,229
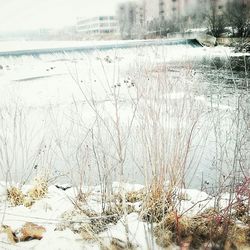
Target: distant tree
216,19
169,26
162,27
153,27
238,17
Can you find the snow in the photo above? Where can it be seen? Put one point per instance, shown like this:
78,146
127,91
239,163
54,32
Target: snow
139,232
48,211
56,240
194,201
127,187
2,190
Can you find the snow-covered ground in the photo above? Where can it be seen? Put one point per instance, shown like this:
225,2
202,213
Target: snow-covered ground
48,212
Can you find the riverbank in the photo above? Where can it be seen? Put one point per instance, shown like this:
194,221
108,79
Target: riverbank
231,41
131,217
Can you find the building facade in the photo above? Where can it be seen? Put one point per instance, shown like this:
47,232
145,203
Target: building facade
98,27
151,10
181,14
131,19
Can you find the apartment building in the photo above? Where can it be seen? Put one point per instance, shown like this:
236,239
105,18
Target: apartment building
169,9
98,27
152,8
190,7
131,19
192,13
160,17
173,9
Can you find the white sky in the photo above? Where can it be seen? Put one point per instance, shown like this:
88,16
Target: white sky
32,14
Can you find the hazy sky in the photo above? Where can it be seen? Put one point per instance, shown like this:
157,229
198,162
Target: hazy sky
33,14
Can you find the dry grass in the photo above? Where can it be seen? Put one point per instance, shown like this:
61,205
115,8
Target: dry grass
240,235
85,222
15,196
164,237
242,213
173,229
39,190
157,203
209,228
115,211
117,244
28,201
135,196
9,233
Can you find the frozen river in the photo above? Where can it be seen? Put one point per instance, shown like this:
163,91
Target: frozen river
144,110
